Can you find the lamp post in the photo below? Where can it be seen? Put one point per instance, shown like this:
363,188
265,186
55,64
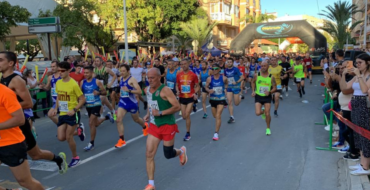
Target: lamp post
125,21
365,24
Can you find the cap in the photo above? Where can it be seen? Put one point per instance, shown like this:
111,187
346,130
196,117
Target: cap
259,60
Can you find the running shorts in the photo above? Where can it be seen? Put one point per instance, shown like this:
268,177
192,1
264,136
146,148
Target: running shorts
186,101
30,139
128,106
164,132
114,89
69,120
295,80
93,110
13,155
285,82
309,69
263,99
215,103
234,90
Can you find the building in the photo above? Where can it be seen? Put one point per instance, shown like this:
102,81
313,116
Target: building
229,14
315,22
358,31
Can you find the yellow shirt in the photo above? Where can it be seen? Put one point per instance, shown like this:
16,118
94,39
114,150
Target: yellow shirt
276,72
68,93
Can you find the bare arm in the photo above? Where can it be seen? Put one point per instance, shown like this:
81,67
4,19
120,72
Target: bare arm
102,90
273,87
16,120
19,86
136,85
48,84
111,73
344,86
81,101
254,83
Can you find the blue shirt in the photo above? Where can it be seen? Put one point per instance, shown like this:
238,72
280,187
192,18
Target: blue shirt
171,79
218,87
126,97
88,90
233,75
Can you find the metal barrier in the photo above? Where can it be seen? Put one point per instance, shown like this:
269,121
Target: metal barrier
39,97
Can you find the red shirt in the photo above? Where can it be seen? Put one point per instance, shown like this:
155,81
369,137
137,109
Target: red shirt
77,77
307,62
241,69
186,83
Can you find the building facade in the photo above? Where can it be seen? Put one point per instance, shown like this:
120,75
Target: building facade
229,14
359,30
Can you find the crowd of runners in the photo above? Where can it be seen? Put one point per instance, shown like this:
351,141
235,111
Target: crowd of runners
165,85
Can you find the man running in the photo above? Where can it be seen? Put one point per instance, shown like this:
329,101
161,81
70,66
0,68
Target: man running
298,72
204,74
137,73
279,74
307,61
171,74
162,107
234,78
263,86
70,99
13,148
128,103
92,90
114,89
216,86
18,85
287,69
241,68
186,85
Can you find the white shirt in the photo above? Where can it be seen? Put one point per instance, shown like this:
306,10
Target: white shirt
264,58
136,73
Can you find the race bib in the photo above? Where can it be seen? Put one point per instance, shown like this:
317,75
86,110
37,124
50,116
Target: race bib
170,85
90,98
152,105
204,84
185,89
231,80
218,90
298,79
263,89
222,72
279,87
54,92
124,94
63,106
308,63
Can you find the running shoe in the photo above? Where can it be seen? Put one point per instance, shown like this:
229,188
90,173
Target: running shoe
268,132
352,158
149,187
231,120
187,137
74,162
360,171
145,131
109,115
263,113
89,147
338,145
344,150
355,167
242,97
63,166
183,157
281,97
145,105
81,132
215,137
121,143
275,113
311,82
205,116
115,117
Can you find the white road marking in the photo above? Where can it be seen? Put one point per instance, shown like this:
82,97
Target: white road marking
112,149
50,188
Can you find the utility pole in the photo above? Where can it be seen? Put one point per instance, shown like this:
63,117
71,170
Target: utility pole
365,24
125,21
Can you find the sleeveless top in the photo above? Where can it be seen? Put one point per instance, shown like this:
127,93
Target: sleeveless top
155,101
88,90
171,79
54,94
263,84
203,77
101,75
127,96
218,86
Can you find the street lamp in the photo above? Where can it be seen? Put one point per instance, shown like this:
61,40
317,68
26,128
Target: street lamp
365,24
125,25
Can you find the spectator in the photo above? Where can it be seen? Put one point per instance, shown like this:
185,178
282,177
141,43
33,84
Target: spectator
77,75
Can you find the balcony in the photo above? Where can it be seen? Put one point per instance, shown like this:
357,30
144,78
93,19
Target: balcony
221,18
222,42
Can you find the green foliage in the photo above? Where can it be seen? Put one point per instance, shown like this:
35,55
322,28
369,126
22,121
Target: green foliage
10,16
302,48
341,15
258,19
34,47
330,40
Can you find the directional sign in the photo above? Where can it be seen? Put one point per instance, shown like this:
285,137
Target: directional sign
43,21
44,29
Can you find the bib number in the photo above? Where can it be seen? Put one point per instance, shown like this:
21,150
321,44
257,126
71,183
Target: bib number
170,85
204,84
63,106
218,90
54,92
231,80
124,94
298,79
264,89
308,63
152,105
90,98
185,89
279,87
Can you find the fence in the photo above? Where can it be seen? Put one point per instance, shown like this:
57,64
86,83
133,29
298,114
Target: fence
39,97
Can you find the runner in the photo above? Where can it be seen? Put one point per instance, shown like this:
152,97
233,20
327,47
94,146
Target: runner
101,73
114,89
92,89
252,70
204,74
262,87
70,99
298,72
288,70
162,106
18,85
171,74
308,63
241,68
216,86
137,73
128,103
13,148
234,78
186,85
279,74
196,70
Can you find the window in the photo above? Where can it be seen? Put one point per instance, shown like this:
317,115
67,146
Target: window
226,8
236,11
214,8
247,11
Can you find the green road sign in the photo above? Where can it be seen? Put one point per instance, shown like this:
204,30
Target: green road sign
42,21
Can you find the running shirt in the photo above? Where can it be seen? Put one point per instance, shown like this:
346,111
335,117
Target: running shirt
54,94
286,66
197,70
8,105
263,84
171,79
155,101
242,69
88,90
186,83
252,68
68,93
277,72
308,62
110,78
233,75
300,73
203,77
137,73
222,72
218,86
101,75
77,77
126,97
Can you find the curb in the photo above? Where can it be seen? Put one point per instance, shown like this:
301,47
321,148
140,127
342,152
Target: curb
356,182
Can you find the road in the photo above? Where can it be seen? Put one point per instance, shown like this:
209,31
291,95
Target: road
243,158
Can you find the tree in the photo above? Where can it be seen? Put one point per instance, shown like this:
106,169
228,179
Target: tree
33,47
259,19
199,30
10,16
339,23
182,42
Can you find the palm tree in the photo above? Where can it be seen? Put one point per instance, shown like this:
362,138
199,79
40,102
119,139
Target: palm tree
199,30
181,41
341,20
258,19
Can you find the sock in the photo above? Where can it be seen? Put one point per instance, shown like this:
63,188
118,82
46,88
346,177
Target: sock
232,116
286,89
92,142
122,137
300,93
188,133
144,126
77,157
302,88
181,152
151,182
112,111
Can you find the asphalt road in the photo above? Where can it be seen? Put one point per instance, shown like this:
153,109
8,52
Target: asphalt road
243,158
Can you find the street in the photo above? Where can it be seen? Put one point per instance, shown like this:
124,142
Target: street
243,158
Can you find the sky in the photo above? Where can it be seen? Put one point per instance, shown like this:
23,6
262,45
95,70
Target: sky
290,7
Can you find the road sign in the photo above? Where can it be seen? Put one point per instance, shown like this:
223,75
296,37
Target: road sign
43,21
44,29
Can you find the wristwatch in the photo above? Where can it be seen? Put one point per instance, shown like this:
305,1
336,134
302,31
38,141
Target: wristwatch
74,109
160,113
129,91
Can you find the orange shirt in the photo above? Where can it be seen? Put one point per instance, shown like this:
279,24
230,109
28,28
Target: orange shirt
8,105
186,83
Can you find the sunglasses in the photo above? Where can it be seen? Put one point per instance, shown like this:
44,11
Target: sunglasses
62,70
215,68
